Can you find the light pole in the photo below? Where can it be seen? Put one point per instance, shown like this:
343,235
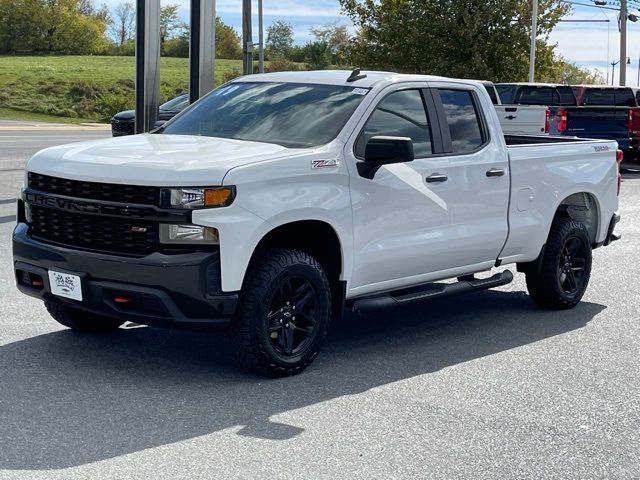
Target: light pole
623,42
534,29
260,37
247,39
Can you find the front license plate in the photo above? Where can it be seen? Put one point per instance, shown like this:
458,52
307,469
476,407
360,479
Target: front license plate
65,285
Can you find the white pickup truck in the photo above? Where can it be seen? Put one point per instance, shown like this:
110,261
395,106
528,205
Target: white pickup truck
519,119
278,200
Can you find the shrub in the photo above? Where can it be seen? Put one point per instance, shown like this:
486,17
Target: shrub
281,64
230,75
108,104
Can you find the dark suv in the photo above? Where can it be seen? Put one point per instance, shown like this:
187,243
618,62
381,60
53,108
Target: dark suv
124,123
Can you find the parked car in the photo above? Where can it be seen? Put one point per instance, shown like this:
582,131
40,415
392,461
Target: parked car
275,203
554,96
606,112
519,119
124,123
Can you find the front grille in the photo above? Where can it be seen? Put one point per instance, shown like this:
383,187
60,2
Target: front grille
93,232
122,128
111,192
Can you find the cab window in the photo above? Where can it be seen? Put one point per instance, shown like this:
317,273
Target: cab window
399,114
462,117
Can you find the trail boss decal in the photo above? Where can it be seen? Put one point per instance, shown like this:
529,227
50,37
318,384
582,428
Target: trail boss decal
324,164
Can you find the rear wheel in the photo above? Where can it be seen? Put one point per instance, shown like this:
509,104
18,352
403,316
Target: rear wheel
564,273
283,315
81,320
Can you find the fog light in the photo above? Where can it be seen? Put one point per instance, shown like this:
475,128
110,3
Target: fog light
170,233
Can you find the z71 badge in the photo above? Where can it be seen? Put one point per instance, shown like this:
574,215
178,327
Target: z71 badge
324,164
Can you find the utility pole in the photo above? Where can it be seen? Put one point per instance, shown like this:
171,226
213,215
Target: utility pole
261,37
534,29
247,39
202,48
623,42
147,64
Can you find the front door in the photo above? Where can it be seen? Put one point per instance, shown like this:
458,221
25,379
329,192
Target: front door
401,219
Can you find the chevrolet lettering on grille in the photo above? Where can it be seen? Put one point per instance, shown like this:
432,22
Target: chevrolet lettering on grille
61,203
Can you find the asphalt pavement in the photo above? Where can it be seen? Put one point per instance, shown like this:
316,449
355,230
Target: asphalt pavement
484,386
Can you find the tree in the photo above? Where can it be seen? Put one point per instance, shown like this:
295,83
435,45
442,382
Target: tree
169,21
319,55
279,39
227,41
123,22
52,26
336,37
485,39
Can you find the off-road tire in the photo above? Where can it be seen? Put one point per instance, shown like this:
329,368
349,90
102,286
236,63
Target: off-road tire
250,331
80,320
545,285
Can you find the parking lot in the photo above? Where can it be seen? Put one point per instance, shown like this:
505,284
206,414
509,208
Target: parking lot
482,386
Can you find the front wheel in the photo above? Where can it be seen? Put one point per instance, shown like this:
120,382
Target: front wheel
564,272
283,314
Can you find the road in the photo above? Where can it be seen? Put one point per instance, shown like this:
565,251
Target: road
485,386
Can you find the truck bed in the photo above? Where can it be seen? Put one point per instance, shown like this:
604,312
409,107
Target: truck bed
515,140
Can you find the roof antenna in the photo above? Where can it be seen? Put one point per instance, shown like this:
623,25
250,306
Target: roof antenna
356,75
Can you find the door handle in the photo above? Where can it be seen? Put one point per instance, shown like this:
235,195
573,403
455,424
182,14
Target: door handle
437,177
511,117
495,172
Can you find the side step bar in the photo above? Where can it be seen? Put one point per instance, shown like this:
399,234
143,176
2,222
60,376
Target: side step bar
429,291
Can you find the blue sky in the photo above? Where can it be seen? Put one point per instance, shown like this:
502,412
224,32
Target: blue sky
583,43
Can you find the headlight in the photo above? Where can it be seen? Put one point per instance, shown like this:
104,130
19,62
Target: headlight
193,198
170,233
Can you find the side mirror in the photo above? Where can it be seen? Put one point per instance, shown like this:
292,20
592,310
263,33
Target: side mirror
159,123
382,150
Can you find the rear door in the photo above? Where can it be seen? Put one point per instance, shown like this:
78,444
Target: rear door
478,175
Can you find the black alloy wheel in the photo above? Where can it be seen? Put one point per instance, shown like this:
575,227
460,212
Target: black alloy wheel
291,318
283,314
558,281
572,265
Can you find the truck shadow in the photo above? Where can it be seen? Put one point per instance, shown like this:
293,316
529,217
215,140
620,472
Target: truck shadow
68,399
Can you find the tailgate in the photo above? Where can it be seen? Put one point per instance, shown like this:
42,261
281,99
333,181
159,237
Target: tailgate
608,123
522,119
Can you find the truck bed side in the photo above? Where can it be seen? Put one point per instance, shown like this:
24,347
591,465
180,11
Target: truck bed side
544,176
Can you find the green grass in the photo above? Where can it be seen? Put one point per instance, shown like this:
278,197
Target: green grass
85,88
10,114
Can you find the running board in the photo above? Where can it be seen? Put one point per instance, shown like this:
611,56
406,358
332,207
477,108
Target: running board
429,291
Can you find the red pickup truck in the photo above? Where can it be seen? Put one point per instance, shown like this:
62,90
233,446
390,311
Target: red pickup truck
605,112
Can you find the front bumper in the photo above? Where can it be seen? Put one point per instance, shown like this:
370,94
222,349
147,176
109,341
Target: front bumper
180,290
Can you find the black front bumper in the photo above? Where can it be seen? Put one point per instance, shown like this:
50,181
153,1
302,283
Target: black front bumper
181,290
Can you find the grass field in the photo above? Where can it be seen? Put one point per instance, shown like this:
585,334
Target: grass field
85,88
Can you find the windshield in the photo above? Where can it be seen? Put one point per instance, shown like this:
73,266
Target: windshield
288,114
178,103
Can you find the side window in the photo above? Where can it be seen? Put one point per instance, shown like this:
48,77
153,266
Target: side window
399,114
464,124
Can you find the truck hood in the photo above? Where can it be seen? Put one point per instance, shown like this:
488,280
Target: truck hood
151,159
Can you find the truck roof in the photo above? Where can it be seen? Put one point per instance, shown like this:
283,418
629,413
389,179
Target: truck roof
339,77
